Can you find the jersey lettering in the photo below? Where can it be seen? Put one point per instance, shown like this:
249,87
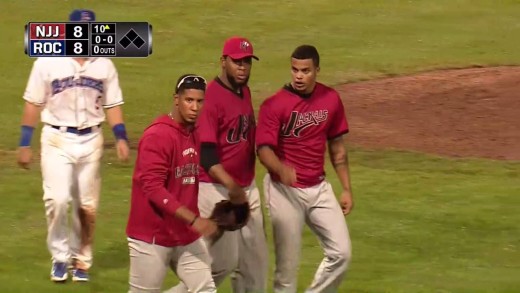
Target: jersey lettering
300,121
187,170
239,133
59,85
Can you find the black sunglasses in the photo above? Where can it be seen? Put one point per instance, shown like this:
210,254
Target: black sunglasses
192,79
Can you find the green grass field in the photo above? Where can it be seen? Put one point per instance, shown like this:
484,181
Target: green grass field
421,223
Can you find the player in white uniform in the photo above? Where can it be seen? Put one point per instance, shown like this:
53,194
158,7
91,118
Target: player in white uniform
71,94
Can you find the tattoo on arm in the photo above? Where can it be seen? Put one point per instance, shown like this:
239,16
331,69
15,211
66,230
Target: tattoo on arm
339,160
337,152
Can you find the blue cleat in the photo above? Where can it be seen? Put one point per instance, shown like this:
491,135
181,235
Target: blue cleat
79,275
59,272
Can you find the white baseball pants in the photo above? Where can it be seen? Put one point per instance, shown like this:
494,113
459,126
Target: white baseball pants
243,253
149,264
70,171
289,208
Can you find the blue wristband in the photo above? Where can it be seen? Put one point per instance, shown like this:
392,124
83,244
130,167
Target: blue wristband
120,131
27,132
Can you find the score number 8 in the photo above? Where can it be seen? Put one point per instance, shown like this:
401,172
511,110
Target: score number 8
78,48
77,32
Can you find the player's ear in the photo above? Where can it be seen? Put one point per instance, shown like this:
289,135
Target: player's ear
176,99
317,69
223,61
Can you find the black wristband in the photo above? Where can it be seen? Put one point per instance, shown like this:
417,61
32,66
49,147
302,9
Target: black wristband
193,221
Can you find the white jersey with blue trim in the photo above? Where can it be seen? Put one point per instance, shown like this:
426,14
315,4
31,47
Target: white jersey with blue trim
73,95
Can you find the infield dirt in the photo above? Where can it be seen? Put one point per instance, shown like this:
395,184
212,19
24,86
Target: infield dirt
471,112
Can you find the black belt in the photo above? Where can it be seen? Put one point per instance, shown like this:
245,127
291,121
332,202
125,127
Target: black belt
76,130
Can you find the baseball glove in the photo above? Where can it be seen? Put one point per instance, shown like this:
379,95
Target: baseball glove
229,217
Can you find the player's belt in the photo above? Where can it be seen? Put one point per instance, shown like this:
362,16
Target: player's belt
76,130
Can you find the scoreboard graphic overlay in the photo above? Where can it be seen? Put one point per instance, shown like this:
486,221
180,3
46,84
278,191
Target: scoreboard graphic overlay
88,39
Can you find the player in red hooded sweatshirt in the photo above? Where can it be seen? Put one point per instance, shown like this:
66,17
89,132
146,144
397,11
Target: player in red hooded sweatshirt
164,227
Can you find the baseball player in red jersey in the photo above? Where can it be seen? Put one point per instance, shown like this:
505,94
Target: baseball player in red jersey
294,127
164,226
72,95
227,133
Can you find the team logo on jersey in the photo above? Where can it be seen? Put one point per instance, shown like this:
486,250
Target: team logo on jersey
240,133
189,169
59,85
300,121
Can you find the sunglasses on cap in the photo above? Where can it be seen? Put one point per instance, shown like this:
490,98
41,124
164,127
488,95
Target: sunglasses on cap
197,81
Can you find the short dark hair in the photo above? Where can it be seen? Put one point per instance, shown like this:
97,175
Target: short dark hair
307,52
190,81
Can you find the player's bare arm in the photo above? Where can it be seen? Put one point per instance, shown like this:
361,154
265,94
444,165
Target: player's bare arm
339,159
115,120
269,159
30,118
203,226
237,195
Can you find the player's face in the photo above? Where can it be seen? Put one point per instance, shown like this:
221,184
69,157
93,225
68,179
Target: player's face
304,74
189,102
237,70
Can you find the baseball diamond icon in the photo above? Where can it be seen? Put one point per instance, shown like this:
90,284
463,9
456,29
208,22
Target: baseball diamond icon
131,37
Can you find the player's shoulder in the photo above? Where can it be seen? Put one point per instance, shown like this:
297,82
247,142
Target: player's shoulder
214,93
325,89
327,92
268,102
49,61
275,97
216,88
158,129
44,65
103,61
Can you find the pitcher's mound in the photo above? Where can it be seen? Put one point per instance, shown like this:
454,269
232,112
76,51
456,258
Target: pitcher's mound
464,113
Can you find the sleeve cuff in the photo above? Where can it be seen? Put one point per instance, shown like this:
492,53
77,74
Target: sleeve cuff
170,206
338,134
259,146
27,99
113,104
165,202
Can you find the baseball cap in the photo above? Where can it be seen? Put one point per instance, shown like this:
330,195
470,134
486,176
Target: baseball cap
82,15
238,48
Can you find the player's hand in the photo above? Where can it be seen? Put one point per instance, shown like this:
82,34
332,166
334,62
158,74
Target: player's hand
122,150
24,157
237,195
205,227
346,202
287,175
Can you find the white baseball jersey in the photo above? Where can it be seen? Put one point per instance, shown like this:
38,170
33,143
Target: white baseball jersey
73,95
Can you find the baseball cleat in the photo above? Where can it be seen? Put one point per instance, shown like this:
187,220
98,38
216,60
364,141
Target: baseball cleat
59,272
79,275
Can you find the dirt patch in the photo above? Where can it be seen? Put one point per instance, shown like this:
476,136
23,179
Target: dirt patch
463,113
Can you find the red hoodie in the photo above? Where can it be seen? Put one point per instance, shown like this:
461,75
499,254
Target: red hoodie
165,178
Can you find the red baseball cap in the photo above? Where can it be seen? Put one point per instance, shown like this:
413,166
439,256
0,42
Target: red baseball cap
238,48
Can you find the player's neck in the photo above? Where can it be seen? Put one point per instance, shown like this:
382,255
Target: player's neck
176,116
225,80
307,91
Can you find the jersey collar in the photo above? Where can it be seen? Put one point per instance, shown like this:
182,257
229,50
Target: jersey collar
288,87
222,84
